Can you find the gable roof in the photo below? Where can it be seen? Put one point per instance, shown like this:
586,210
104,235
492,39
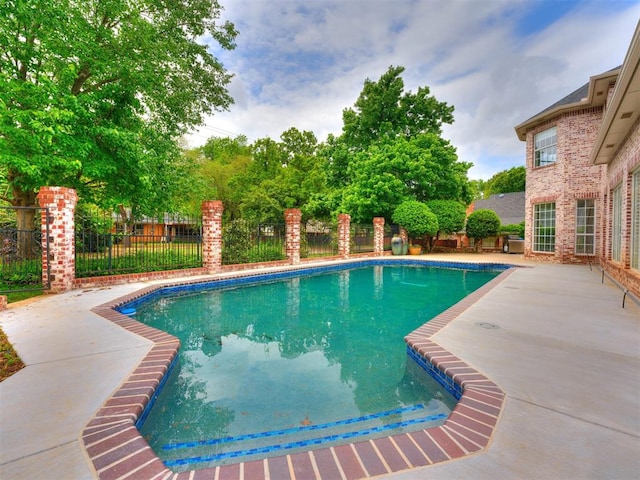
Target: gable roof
591,94
510,207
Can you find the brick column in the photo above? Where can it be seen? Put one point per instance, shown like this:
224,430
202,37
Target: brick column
344,235
60,269
378,235
212,235
292,218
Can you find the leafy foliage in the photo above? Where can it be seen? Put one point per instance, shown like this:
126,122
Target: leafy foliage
513,229
451,215
482,224
384,110
511,180
94,94
416,218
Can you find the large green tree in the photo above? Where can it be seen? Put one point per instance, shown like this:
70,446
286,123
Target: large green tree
94,94
511,180
391,150
384,109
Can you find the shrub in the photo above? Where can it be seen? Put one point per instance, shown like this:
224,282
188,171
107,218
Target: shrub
482,224
416,218
513,229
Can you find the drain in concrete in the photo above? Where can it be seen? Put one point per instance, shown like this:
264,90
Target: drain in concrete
487,325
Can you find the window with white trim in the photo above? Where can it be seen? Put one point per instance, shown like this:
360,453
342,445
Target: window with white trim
616,223
544,147
635,222
585,227
544,227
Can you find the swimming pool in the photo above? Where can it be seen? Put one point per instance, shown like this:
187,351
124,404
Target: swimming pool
409,293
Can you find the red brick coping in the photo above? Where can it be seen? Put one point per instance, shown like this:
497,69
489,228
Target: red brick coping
118,451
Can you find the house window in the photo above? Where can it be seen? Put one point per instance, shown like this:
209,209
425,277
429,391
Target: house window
616,223
635,223
585,227
545,147
544,227
138,229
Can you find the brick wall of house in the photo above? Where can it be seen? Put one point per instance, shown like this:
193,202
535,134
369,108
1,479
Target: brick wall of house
620,173
569,179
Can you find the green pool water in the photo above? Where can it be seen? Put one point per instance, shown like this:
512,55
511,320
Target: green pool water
311,361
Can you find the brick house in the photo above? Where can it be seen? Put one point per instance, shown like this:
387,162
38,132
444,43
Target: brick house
583,174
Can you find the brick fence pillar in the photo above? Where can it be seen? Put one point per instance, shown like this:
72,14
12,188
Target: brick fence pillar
292,218
344,235
378,235
212,235
60,269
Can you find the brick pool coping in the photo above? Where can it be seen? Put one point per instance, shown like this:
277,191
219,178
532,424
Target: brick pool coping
117,450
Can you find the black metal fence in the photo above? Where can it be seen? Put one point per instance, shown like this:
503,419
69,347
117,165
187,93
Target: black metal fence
110,243
248,242
318,239
21,249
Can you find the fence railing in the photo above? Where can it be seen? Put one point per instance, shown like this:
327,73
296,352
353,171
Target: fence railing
318,239
110,243
249,242
20,249
361,238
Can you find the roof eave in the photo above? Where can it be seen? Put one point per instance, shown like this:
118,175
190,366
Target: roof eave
596,96
623,109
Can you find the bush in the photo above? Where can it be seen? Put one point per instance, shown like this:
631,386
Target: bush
513,229
482,224
451,215
416,218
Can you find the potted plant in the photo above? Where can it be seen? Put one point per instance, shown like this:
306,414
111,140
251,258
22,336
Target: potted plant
418,220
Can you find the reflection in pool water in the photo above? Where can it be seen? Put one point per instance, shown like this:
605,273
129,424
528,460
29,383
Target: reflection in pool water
305,361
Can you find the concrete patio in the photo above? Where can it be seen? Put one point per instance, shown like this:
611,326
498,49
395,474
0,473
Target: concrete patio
561,347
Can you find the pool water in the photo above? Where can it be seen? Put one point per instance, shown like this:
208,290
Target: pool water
316,360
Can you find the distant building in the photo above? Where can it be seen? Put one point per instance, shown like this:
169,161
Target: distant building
510,207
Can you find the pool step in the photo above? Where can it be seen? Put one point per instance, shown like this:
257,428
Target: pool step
242,447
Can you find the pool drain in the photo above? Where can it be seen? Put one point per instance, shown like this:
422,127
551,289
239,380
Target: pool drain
487,325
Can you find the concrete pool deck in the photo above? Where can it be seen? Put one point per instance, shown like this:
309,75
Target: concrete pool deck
565,353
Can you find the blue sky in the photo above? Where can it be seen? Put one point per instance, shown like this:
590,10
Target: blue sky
299,63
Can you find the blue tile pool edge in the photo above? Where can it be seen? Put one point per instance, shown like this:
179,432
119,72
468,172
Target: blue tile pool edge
488,388
248,278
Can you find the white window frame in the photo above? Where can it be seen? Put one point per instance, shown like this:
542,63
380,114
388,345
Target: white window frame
544,227
545,147
585,243
635,222
616,223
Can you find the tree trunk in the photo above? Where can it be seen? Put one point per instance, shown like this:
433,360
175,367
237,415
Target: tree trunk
26,224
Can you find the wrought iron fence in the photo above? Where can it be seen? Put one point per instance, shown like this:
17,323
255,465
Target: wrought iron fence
361,238
110,243
21,249
248,242
318,239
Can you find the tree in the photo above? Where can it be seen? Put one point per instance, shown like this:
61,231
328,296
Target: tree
95,94
451,215
391,150
383,109
213,167
482,224
416,218
511,180
387,173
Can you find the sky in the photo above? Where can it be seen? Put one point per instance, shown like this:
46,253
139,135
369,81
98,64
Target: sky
300,63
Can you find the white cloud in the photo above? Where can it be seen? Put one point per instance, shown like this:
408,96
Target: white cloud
300,63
